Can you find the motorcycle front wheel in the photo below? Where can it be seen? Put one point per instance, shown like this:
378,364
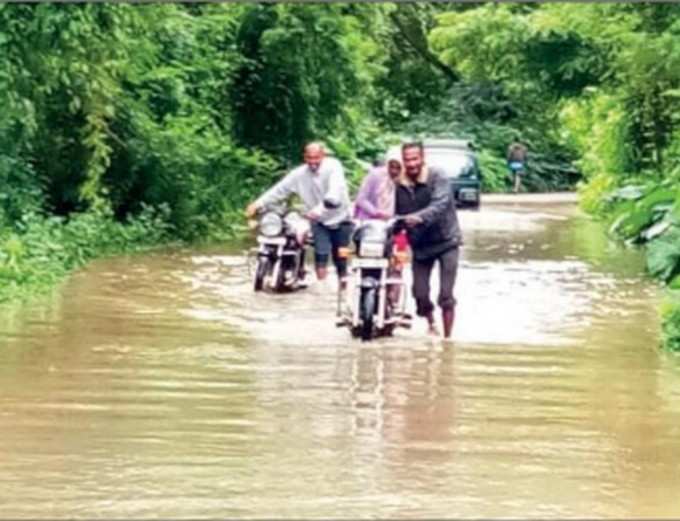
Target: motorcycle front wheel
366,311
260,273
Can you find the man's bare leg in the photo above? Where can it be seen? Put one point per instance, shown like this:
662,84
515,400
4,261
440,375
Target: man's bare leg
431,325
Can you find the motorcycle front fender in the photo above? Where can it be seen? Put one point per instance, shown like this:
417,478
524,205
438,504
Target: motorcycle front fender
267,251
369,282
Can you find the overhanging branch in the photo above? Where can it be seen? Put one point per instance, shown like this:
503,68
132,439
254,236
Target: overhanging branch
450,74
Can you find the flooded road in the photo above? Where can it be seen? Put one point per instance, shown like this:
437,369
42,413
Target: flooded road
161,386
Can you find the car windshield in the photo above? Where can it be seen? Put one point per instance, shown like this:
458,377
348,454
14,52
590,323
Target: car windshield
453,163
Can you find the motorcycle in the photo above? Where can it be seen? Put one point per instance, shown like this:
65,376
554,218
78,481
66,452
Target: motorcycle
378,299
280,254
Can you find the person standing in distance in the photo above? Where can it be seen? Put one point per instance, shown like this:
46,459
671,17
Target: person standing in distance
517,158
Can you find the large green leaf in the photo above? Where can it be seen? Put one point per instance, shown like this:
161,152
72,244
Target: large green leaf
675,283
670,314
663,255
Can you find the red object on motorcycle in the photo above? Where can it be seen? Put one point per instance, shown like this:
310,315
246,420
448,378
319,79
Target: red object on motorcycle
401,241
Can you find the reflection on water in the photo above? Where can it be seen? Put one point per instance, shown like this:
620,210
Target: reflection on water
161,386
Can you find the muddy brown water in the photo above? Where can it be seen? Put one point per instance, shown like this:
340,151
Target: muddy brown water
161,386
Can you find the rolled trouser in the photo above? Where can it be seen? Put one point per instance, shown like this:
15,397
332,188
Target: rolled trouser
422,270
327,241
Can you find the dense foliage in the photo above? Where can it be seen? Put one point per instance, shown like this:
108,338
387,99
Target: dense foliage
624,128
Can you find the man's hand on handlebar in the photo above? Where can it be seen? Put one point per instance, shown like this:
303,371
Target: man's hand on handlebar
251,210
413,220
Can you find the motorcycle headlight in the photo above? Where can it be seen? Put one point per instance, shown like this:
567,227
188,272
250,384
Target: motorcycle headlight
371,249
294,220
271,224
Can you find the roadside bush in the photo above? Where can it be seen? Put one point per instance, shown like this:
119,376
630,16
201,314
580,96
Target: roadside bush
649,214
670,314
40,250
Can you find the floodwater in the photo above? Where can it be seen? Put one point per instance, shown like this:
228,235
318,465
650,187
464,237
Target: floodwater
162,386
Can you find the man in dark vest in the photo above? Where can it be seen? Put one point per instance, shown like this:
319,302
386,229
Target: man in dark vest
425,199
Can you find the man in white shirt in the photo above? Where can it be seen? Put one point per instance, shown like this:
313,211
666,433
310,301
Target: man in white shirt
321,185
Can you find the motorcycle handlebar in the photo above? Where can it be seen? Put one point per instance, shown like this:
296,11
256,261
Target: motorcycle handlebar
394,223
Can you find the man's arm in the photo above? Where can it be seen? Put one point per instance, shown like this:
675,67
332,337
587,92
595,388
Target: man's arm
439,200
337,186
279,192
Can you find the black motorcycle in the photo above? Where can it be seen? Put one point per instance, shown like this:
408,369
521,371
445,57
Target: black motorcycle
282,239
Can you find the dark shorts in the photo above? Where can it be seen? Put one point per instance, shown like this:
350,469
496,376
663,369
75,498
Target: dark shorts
327,240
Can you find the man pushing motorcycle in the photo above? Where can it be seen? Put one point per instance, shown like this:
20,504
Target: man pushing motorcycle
321,185
425,201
